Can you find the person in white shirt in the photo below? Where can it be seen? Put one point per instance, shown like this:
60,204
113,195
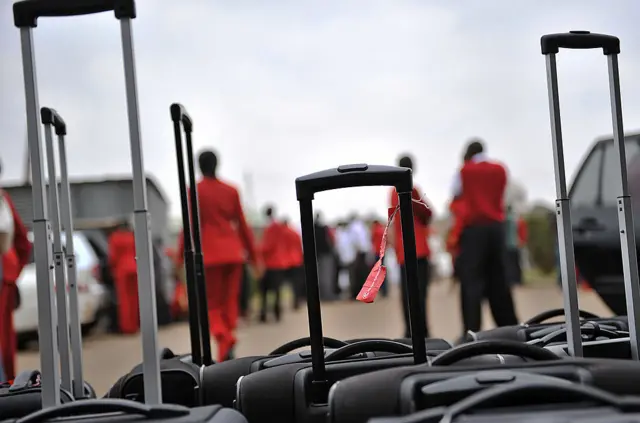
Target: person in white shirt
361,243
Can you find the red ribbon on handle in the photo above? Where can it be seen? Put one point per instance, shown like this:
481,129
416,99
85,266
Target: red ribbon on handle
378,273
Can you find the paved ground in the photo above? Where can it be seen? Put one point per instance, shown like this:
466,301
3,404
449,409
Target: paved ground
108,357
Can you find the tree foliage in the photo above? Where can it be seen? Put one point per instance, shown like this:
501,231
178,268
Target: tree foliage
542,240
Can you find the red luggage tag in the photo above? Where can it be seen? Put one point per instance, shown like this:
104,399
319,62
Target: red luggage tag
377,275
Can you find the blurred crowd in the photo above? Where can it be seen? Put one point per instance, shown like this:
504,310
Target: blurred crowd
484,239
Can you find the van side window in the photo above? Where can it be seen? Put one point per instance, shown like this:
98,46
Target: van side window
584,191
611,172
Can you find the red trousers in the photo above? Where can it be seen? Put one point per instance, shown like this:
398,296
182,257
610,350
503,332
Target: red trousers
8,338
223,290
128,308
179,304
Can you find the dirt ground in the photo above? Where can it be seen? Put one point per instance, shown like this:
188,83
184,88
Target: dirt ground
108,357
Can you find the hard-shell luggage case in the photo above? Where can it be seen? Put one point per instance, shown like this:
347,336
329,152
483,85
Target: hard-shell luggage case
298,392
538,328
551,44
119,410
407,390
25,15
528,397
623,341
181,374
25,394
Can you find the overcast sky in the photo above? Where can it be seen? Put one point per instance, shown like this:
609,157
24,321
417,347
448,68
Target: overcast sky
282,88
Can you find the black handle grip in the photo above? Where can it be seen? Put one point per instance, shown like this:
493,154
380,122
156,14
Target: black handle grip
100,406
370,345
27,12
51,117
179,114
557,312
584,40
354,175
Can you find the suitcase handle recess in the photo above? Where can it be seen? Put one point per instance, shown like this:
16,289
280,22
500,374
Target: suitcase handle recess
354,175
179,114
103,406
27,12
503,395
583,40
51,117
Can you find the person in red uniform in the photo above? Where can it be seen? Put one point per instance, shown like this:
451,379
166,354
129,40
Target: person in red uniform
377,232
481,185
122,261
226,241
273,249
12,264
295,259
421,221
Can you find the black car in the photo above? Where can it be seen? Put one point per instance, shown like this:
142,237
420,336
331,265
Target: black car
595,218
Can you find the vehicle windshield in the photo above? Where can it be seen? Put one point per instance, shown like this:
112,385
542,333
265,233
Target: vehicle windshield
597,183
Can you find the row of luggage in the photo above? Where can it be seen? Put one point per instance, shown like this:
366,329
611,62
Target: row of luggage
583,369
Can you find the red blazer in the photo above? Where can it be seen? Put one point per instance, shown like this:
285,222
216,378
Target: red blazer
421,220
274,246
483,187
122,253
225,234
377,232
17,258
295,257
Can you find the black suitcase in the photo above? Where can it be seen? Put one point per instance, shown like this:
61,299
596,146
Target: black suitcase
181,375
526,397
118,410
27,393
57,370
26,14
619,338
629,346
298,391
537,328
410,389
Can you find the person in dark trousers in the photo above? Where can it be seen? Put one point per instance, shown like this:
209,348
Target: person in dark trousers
421,221
326,260
481,186
273,250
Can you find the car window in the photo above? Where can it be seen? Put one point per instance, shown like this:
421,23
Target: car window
85,256
611,171
584,191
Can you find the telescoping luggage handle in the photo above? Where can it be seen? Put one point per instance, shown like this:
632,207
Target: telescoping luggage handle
69,333
196,288
610,46
25,15
347,176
